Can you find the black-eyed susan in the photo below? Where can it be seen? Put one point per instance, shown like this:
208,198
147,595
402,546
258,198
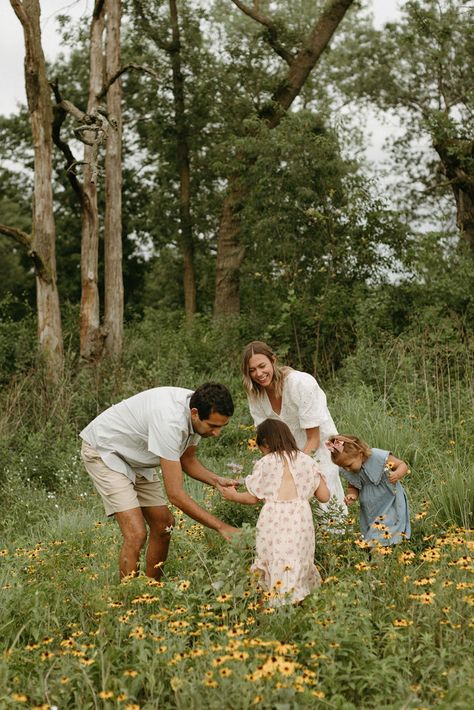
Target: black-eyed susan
406,558
85,661
402,623
137,633
47,655
252,444
424,581
219,660
222,598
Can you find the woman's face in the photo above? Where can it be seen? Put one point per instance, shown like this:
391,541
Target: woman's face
261,370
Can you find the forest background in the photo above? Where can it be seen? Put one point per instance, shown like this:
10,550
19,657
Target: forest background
197,178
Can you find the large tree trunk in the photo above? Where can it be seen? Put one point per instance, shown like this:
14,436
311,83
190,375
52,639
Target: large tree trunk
230,252
90,333
182,161
113,277
456,157
43,238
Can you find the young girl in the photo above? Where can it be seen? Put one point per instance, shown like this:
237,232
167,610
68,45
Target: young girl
285,479
374,477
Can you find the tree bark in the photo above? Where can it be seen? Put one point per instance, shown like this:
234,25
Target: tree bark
113,277
43,239
230,255
230,252
90,333
454,155
183,166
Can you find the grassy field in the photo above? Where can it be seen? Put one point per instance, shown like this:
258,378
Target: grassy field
391,631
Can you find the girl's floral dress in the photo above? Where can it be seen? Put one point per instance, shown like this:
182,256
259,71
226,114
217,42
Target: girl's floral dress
285,531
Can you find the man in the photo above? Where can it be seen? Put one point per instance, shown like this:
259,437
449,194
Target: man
123,445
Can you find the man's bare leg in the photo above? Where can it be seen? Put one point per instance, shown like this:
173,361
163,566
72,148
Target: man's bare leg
133,529
160,521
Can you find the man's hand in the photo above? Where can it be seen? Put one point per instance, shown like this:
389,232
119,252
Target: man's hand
225,482
227,531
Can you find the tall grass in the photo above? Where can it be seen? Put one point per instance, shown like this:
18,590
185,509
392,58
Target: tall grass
392,631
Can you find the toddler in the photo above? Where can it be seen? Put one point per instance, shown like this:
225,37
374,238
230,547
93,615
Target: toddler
374,478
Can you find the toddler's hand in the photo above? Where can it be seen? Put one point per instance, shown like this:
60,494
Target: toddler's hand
228,492
394,477
223,482
349,499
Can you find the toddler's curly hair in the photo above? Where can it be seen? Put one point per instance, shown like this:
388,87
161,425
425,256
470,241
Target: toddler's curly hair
351,446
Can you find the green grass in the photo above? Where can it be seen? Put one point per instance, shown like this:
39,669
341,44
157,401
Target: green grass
382,632
393,631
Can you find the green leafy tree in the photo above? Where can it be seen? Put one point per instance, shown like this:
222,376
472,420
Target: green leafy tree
421,68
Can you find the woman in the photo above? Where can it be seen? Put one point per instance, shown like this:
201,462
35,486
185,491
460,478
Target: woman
295,398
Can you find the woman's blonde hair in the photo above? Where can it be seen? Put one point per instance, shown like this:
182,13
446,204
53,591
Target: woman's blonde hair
346,445
257,347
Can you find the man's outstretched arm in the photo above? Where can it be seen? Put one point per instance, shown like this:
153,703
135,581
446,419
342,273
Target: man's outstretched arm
173,482
191,465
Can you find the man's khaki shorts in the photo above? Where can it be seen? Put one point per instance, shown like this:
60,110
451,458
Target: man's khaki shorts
117,491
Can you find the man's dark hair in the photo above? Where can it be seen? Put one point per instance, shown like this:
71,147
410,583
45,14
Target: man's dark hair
212,397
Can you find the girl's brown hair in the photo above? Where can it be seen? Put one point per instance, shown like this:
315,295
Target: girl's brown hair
277,437
351,446
257,347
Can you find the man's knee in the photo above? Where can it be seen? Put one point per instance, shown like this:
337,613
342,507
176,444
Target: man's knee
167,525
162,524
135,537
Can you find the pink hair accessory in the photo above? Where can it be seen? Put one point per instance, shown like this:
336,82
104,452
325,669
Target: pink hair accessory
333,446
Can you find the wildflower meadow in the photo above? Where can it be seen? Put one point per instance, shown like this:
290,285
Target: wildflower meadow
391,629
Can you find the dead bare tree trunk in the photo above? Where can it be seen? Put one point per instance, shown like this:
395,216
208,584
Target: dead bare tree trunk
90,333
113,276
230,252
43,238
